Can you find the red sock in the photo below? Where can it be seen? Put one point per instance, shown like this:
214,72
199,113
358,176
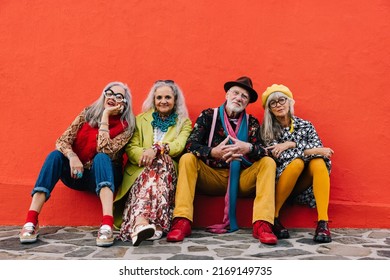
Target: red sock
32,217
108,220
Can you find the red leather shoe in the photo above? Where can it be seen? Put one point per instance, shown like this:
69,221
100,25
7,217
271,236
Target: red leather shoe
181,227
262,230
322,234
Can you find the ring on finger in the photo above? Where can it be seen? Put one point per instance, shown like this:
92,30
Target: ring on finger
75,171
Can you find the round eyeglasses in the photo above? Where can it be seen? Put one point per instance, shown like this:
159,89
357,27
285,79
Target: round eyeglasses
243,95
274,103
118,97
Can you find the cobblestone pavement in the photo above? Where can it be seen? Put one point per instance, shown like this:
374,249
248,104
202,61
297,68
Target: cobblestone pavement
76,243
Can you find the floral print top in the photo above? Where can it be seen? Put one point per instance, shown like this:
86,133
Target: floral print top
197,143
114,148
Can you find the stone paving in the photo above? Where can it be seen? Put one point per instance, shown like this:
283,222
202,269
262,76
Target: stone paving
77,243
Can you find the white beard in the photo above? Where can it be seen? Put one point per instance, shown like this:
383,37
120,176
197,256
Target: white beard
234,107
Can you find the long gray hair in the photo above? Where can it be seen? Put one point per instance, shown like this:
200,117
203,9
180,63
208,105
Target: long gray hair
180,104
95,111
271,128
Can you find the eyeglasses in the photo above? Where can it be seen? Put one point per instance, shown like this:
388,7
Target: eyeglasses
165,81
274,103
243,95
117,96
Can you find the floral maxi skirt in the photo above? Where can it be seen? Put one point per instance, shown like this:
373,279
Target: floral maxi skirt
151,196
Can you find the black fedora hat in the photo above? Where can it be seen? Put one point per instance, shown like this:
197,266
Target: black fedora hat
245,83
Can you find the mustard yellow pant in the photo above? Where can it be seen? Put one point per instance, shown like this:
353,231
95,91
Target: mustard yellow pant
258,179
297,177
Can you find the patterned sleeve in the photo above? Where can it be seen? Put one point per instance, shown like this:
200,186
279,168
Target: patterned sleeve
197,142
312,138
314,141
65,141
175,147
112,146
255,139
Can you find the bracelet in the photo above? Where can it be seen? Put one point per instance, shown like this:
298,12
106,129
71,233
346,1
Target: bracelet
103,123
103,129
250,147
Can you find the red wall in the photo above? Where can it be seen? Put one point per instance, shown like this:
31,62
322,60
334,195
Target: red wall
56,56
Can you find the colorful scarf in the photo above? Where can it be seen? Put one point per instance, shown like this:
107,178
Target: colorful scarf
241,133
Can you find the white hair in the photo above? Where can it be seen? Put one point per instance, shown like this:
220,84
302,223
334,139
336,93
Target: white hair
180,105
271,128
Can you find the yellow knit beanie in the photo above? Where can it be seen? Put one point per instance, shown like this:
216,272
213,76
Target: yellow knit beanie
275,88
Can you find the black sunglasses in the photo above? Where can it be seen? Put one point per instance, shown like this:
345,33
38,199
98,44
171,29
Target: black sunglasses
165,81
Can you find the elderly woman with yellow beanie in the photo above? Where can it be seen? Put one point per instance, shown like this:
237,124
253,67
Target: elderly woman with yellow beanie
303,163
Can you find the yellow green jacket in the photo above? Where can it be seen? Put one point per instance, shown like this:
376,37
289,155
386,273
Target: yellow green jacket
141,139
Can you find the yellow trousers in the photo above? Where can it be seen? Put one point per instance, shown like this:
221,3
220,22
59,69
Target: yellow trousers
297,177
258,179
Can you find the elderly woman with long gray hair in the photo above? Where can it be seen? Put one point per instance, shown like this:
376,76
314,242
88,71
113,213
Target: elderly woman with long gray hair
303,163
144,203
88,157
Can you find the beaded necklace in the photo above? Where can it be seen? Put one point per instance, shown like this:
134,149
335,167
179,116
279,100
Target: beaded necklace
163,125
158,135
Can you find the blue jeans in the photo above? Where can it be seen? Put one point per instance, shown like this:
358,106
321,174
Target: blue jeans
56,166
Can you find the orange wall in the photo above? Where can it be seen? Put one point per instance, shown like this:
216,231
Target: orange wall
56,56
